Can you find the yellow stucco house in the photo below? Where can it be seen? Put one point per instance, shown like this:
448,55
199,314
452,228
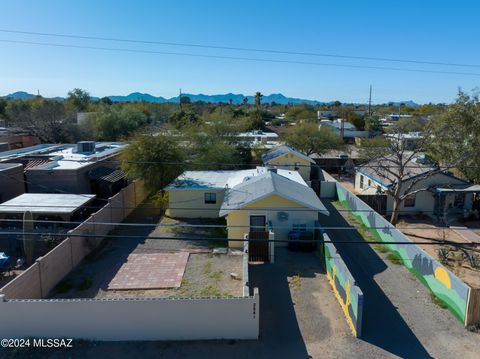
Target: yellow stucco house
285,157
262,199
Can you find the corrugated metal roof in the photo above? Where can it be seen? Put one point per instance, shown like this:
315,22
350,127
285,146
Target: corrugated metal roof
282,150
106,174
46,203
265,185
34,163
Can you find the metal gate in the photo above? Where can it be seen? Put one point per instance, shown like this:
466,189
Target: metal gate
258,246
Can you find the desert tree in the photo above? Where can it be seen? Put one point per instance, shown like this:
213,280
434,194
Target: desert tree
395,160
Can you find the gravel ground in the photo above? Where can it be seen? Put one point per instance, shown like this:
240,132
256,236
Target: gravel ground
399,315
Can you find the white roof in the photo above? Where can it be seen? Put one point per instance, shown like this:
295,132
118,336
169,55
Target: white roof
267,184
68,158
224,179
45,203
258,134
408,135
338,124
64,156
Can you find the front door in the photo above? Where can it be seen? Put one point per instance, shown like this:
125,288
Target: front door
258,236
257,223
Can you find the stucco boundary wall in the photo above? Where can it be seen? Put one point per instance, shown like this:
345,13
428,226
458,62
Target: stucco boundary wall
246,284
347,292
442,283
132,319
40,278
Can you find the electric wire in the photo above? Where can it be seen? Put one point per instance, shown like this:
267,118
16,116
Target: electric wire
244,49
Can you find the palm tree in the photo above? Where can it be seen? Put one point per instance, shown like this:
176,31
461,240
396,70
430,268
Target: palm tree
258,99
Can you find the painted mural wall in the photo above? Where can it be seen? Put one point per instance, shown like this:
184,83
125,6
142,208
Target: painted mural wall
348,294
440,281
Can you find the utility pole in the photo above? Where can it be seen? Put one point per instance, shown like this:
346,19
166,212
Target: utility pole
370,103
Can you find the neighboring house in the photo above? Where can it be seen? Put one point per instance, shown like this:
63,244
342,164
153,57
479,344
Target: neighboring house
86,167
12,138
259,138
331,114
261,199
396,116
408,140
341,126
285,157
438,193
336,161
12,183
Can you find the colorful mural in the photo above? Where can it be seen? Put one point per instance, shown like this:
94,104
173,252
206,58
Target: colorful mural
348,294
440,281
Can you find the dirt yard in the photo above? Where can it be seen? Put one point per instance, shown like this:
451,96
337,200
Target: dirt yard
454,258
206,274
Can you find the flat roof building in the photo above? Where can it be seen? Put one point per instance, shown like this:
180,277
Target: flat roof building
70,168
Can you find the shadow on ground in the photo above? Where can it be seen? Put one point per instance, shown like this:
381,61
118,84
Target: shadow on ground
382,326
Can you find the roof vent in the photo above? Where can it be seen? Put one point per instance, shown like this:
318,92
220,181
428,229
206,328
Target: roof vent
86,147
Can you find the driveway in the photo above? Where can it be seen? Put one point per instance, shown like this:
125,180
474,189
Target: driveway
399,315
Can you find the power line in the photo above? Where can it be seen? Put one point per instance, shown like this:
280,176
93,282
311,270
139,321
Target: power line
240,58
196,225
440,242
140,206
246,49
250,165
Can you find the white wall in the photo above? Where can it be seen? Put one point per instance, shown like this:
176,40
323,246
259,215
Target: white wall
132,319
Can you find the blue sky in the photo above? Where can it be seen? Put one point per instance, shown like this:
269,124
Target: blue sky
441,31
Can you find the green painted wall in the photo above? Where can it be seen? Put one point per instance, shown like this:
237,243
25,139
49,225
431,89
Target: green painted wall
440,281
348,294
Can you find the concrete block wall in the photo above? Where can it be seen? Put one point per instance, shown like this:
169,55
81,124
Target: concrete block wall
26,285
55,265
38,280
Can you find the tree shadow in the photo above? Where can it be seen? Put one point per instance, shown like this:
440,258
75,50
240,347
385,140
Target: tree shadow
382,325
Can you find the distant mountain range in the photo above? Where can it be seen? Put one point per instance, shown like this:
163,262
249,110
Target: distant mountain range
225,98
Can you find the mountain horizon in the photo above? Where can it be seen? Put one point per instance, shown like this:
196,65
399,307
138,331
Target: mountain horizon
237,99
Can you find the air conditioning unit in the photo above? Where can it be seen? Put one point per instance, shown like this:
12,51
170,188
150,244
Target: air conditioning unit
86,147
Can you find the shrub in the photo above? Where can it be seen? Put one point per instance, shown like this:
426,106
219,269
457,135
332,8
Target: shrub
394,258
473,260
443,253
